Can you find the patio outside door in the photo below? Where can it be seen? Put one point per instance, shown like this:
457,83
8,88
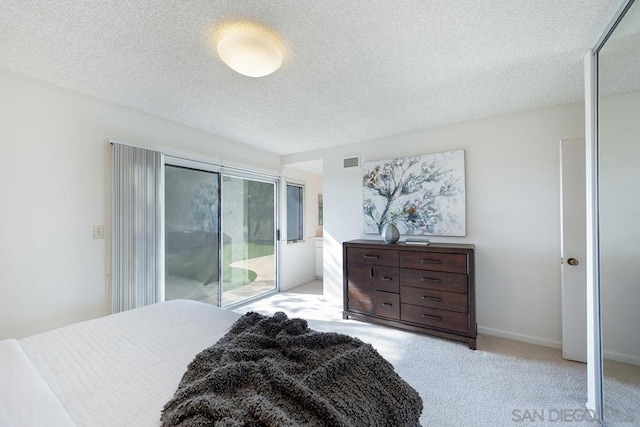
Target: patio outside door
249,238
220,234
192,234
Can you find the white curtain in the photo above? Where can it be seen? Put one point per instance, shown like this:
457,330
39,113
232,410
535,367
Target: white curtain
137,265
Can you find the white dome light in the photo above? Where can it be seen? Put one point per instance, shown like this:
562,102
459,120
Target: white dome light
249,48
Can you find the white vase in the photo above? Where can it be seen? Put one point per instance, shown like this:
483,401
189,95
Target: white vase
390,233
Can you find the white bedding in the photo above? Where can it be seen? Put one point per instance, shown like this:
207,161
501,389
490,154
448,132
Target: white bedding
118,370
25,398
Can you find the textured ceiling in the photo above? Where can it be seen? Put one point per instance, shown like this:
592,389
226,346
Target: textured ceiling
619,59
353,70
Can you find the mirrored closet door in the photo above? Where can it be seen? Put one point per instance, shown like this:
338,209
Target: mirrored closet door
618,189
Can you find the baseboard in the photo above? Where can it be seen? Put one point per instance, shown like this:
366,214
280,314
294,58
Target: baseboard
624,358
608,355
519,337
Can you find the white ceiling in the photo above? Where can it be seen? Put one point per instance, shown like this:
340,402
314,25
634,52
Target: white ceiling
353,70
619,59
311,166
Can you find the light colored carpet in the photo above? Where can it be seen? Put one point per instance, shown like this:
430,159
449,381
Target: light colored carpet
503,383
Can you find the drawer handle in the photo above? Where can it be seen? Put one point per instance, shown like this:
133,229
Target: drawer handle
387,279
428,316
387,304
431,298
430,261
370,257
428,279
371,273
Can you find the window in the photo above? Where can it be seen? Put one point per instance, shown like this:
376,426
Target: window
295,197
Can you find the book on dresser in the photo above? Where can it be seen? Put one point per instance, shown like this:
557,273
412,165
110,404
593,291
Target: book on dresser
422,288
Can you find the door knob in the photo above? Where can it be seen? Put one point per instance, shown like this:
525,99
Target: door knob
573,261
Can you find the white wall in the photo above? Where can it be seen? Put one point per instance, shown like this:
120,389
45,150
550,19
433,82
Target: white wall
298,259
54,187
619,209
513,211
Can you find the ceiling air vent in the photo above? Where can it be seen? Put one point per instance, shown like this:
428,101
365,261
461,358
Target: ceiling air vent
351,162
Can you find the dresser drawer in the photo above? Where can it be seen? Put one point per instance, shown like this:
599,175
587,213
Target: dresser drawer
435,261
359,287
436,318
386,304
387,279
373,256
450,301
450,282
374,277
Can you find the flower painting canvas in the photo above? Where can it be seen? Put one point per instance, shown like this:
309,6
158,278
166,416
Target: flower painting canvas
423,195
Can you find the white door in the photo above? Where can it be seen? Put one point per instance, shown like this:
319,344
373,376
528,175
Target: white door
573,249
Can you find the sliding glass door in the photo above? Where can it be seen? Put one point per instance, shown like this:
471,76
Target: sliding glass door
192,234
220,234
249,238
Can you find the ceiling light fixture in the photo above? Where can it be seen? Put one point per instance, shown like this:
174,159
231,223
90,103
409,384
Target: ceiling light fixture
250,49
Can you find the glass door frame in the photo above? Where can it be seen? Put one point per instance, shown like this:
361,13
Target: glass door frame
259,177
595,356
204,167
235,172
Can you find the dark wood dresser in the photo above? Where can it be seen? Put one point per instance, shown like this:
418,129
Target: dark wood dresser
428,289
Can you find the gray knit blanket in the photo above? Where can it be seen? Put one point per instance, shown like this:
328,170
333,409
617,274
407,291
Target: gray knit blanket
275,371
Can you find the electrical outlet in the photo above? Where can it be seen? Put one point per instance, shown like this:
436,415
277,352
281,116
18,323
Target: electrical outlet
98,231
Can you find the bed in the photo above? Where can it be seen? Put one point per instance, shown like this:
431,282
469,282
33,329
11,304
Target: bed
118,370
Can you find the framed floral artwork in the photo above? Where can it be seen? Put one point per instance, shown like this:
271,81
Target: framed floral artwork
421,195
